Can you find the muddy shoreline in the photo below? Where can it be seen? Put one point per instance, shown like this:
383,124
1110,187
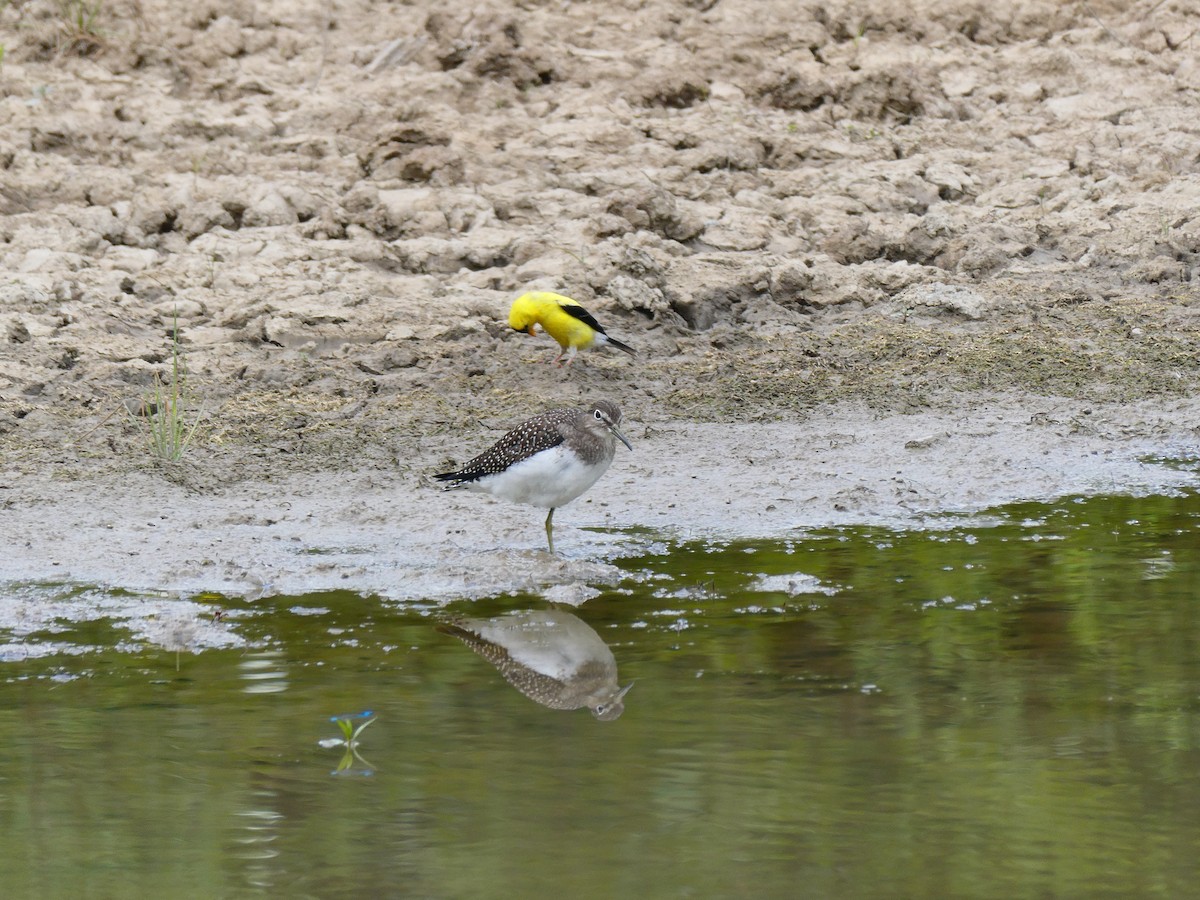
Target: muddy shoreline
398,536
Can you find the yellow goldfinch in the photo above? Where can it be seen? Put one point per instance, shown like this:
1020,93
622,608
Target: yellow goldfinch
564,320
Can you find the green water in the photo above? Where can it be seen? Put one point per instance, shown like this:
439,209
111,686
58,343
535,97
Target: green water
1005,707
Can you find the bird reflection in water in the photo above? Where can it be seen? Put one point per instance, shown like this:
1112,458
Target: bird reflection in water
550,656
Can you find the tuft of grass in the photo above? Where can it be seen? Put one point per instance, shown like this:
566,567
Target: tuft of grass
79,22
166,409
4,4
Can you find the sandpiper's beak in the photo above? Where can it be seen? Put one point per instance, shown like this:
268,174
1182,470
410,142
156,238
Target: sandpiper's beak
624,440
624,691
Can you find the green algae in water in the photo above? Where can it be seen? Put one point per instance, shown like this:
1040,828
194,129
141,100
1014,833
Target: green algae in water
1006,705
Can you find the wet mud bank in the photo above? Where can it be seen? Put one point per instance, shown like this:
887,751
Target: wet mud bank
393,533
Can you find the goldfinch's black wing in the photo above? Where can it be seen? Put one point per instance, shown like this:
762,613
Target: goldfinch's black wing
584,316
574,309
530,437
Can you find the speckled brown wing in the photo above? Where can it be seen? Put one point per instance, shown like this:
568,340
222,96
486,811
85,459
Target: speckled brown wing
530,437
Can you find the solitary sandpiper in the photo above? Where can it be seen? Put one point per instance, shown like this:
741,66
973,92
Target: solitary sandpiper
548,460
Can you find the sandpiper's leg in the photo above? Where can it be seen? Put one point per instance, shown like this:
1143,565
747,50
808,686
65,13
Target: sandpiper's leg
550,529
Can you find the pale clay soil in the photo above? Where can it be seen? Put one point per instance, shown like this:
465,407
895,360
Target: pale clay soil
882,263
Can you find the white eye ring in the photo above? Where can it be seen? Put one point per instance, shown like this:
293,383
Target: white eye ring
598,414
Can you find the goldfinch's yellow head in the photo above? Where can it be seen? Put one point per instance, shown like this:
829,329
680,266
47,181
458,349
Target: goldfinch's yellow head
524,314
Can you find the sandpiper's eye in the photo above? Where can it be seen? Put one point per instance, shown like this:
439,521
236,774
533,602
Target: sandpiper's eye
598,414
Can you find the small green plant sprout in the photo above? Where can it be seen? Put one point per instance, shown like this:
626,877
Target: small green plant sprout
165,409
350,730
352,725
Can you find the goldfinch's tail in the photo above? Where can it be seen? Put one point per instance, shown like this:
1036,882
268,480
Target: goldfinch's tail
621,346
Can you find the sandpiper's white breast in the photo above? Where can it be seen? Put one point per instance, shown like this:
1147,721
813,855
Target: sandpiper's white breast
547,479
